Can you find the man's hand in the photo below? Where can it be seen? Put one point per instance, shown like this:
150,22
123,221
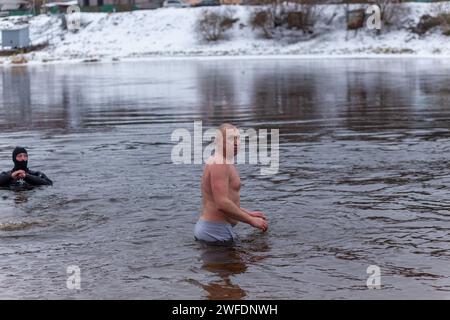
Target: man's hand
257,214
259,223
19,174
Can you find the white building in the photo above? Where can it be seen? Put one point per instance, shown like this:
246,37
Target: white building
15,4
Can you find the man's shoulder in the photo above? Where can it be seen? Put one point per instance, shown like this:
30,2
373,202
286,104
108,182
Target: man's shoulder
217,170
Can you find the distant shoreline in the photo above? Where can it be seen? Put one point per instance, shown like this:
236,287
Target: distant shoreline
233,57
169,33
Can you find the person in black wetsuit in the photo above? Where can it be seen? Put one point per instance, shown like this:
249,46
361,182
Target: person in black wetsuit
20,176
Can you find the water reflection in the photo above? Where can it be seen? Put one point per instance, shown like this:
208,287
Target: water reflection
21,197
287,93
363,177
226,262
16,90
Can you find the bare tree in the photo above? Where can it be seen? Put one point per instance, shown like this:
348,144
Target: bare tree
443,14
212,25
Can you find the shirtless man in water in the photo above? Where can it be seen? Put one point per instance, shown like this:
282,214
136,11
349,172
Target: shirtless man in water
220,192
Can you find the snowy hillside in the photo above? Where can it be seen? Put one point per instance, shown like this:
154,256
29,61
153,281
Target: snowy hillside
168,32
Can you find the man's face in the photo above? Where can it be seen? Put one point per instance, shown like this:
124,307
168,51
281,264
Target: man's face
22,157
232,140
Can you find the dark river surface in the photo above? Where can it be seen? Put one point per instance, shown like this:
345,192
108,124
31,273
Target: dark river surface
364,179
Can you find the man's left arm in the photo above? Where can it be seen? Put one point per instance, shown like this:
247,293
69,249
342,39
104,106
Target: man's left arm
38,179
257,214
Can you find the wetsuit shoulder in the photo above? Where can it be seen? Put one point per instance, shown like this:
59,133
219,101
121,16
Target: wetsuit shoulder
5,178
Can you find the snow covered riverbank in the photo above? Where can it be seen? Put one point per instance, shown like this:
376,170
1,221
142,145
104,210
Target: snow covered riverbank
170,32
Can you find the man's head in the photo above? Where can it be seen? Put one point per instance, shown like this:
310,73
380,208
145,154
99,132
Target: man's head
20,159
228,140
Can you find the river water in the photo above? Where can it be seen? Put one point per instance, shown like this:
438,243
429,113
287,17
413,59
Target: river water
363,179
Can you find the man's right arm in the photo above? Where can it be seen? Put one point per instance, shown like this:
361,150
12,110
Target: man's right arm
5,178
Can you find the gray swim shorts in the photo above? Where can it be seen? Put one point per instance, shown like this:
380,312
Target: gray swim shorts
214,232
